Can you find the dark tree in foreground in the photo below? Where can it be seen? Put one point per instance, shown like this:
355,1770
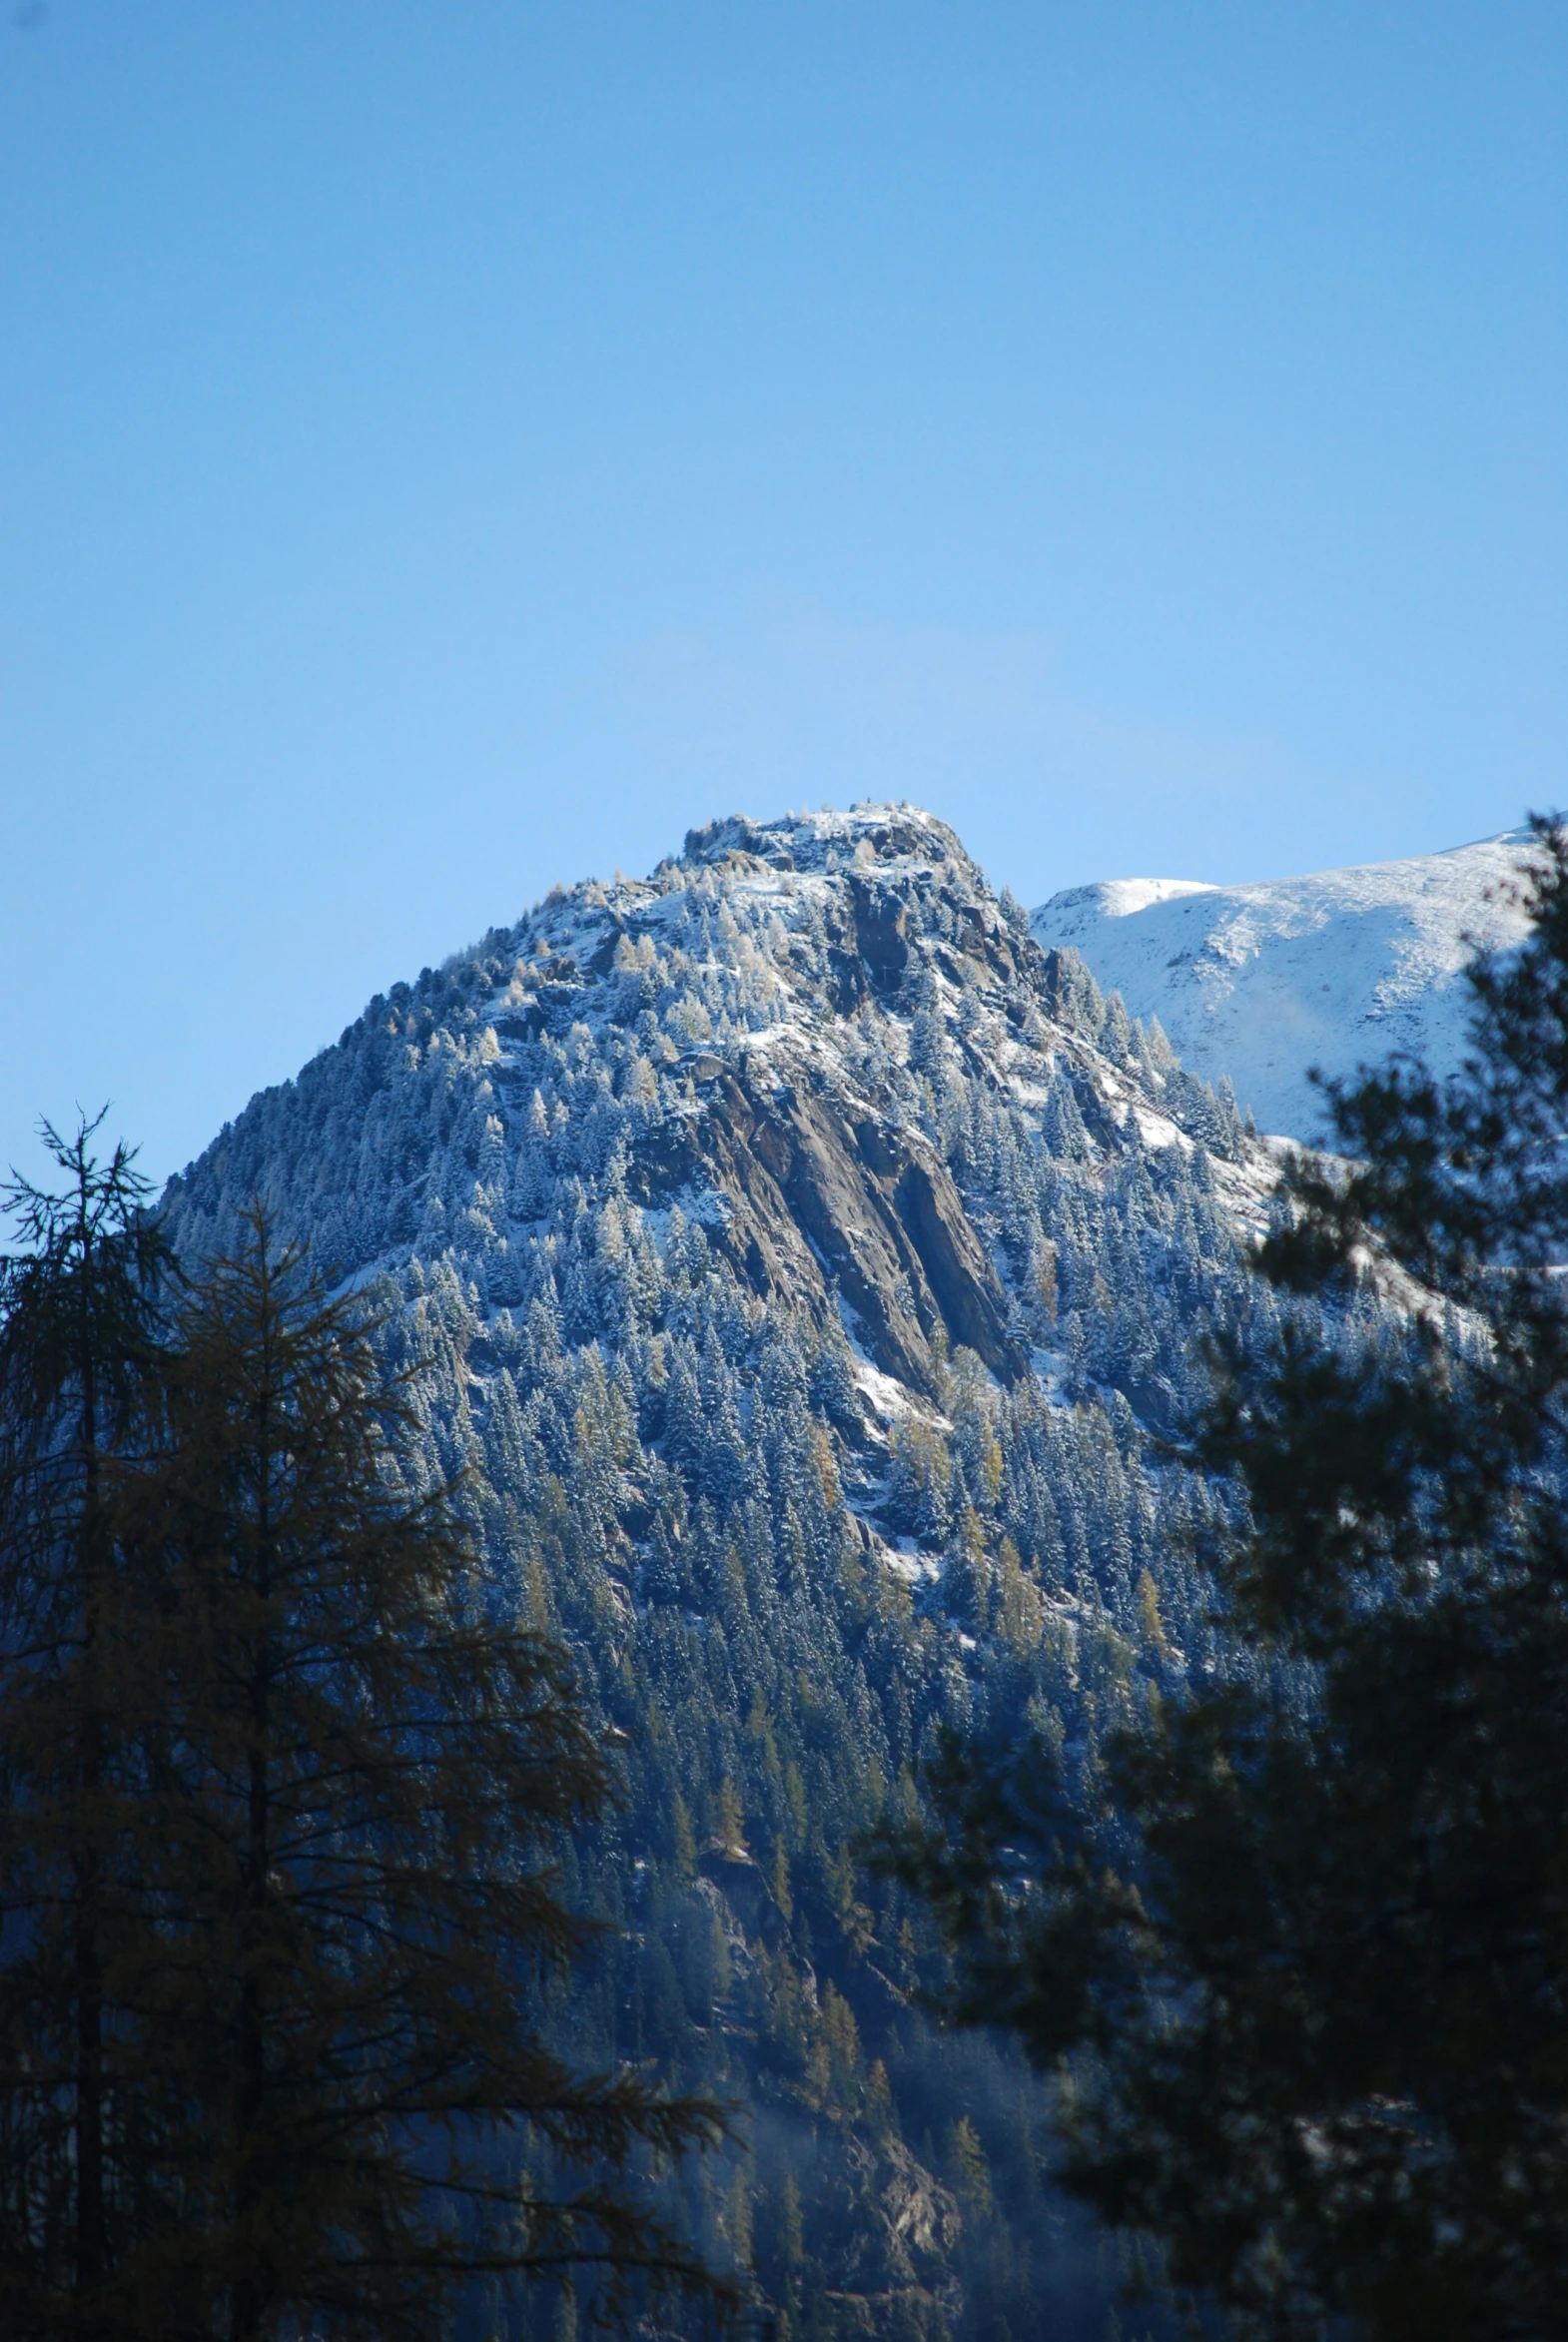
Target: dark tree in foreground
359,1788
80,1401
1307,1990
283,1807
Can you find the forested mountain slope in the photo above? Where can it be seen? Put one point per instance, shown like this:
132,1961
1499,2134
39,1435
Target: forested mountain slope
802,1254
1255,984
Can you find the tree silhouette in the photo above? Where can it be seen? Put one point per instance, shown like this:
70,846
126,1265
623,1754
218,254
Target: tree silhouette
361,1786
79,1399
279,1850
1305,1981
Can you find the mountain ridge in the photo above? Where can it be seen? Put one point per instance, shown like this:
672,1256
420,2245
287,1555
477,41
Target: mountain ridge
1255,983
763,1129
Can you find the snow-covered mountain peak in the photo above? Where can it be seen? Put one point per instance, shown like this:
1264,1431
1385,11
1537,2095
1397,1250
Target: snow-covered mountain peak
1257,983
805,1035
867,836
1118,898
768,870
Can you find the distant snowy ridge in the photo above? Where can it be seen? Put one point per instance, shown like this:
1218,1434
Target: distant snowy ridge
1258,983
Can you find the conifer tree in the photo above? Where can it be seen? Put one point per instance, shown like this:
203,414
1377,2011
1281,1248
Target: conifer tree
1308,1987
361,1778
79,1401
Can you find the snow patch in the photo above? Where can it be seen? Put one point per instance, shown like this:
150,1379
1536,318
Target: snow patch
1338,969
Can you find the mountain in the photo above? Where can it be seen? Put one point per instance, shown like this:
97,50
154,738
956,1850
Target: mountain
1255,984
798,1256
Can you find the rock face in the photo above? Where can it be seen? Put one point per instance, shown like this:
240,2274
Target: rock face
813,1201
819,1197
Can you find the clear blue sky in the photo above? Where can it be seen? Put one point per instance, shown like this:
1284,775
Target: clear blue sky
448,447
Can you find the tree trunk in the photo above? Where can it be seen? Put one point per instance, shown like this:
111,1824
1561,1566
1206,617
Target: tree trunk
91,2238
249,2293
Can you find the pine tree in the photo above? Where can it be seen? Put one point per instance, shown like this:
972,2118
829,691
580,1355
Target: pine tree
363,1777
1313,2019
79,1401
970,2172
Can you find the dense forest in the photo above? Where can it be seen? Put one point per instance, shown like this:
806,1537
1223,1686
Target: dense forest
805,1275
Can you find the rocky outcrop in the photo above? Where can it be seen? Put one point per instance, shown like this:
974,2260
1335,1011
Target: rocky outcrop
813,1204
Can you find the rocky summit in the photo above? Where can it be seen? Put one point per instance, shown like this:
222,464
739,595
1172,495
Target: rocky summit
795,1258
762,1038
